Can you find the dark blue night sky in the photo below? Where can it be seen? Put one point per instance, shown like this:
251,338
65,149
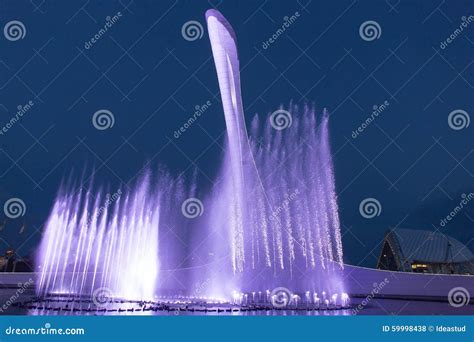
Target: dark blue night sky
151,79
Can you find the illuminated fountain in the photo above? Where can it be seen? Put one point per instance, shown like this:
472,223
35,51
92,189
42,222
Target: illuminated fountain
269,237
276,205
88,246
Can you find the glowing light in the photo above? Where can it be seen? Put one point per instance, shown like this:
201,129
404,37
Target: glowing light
275,208
277,196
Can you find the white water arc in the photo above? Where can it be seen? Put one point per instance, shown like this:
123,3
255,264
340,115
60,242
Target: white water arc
224,50
273,240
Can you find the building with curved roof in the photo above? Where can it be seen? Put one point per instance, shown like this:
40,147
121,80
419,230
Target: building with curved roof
409,250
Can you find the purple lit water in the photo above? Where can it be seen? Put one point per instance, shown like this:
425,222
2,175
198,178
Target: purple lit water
269,230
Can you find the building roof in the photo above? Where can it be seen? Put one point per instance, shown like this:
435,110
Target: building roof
426,246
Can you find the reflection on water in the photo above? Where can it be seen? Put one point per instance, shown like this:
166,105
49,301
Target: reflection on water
376,306
66,305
